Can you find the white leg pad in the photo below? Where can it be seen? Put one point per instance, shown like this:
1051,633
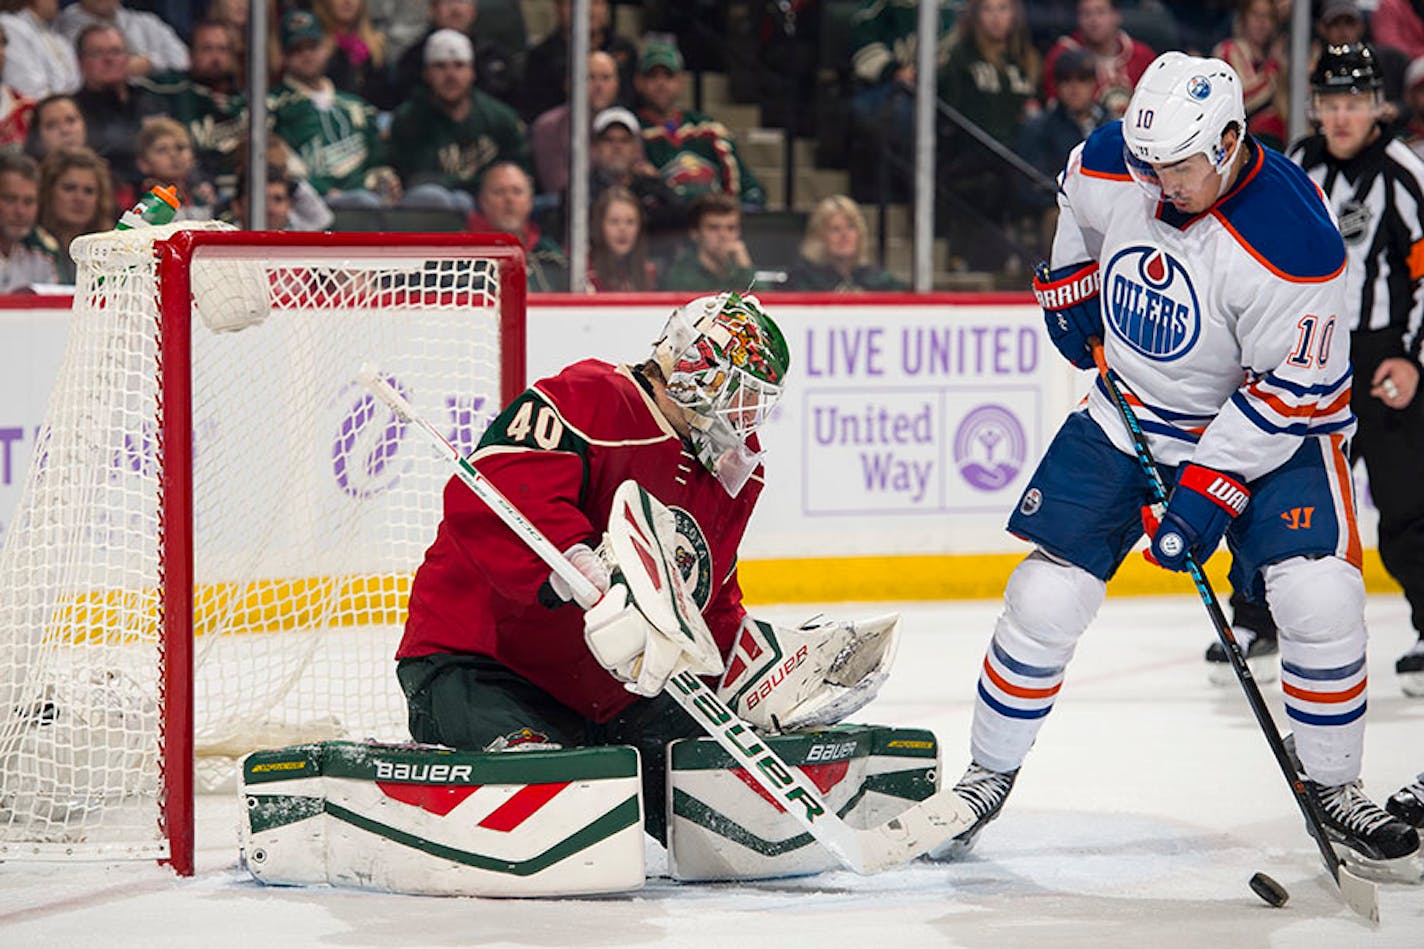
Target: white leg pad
427,820
1319,605
1047,606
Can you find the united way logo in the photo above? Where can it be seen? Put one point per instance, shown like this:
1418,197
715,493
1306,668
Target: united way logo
693,557
1198,87
990,447
1150,303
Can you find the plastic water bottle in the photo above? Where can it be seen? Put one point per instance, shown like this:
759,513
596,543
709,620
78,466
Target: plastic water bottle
156,207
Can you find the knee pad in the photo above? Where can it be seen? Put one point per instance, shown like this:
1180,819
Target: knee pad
1047,605
1316,600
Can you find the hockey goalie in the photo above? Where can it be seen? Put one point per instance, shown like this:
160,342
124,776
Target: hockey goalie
546,741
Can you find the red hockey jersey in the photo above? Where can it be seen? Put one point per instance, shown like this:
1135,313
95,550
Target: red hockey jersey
558,452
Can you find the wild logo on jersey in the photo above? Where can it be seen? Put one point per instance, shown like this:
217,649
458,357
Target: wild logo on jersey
1150,303
693,556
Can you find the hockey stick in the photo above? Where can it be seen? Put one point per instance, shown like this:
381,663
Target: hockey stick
922,827
1359,894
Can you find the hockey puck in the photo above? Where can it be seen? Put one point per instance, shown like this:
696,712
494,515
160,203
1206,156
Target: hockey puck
1269,890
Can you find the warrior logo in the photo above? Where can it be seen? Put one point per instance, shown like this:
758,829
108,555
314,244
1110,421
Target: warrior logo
693,557
1150,303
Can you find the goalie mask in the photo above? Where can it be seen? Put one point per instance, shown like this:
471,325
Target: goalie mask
723,361
1180,109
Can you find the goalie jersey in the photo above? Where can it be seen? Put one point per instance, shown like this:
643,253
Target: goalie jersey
558,452
1229,326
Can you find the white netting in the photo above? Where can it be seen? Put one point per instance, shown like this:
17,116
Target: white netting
307,522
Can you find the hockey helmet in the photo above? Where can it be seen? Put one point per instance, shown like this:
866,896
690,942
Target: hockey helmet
1351,67
1180,108
724,362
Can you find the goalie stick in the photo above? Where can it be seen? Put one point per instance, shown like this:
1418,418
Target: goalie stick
922,827
1359,894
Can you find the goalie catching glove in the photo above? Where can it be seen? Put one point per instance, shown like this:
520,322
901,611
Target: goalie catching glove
647,627
782,679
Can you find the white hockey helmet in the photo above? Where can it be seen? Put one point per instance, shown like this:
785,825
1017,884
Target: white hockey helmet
724,362
1180,107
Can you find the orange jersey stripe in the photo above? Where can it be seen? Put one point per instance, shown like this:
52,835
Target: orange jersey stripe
1353,555
1305,695
1307,409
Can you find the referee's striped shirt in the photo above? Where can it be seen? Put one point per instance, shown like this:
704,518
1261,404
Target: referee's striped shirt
1378,198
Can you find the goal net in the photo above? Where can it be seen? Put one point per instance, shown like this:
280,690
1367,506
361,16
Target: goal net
214,545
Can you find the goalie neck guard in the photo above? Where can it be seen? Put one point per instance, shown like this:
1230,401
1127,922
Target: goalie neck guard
724,361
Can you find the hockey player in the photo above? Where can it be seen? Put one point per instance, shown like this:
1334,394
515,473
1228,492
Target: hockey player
494,655
1222,306
1375,185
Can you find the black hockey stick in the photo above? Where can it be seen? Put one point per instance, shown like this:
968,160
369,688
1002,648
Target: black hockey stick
1359,894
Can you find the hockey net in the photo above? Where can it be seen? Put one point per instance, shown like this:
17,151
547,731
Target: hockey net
214,545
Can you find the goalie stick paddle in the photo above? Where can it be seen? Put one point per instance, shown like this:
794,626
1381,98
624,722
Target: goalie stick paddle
922,827
1358,893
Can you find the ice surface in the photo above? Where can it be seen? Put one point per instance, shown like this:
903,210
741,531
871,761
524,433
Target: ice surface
1137,821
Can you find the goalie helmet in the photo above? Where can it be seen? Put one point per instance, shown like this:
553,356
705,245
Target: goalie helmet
723,360
1180,108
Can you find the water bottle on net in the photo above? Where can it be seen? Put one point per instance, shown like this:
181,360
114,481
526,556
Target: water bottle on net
156,207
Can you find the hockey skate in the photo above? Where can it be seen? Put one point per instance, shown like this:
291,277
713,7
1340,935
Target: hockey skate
986,792
1371,840
1408,803
1410,668
1262,657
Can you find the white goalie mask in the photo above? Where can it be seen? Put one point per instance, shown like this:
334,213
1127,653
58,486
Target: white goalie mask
724,362
1180,108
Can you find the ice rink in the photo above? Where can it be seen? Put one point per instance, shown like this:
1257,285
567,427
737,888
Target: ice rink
1150,800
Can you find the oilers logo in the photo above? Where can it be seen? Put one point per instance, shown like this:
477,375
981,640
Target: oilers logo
1150,303
1199,87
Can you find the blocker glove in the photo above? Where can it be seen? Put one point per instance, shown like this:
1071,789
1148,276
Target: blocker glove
1201,507
1069,297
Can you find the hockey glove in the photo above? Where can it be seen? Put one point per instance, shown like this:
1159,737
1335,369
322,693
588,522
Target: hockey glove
1202,506
589,563
624,642
1069,297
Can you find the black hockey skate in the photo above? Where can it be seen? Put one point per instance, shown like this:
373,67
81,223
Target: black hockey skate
1364,834
1410,668
986,792
1408,803
1262,657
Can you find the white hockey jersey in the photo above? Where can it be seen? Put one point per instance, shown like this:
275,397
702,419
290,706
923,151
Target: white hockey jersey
1229,326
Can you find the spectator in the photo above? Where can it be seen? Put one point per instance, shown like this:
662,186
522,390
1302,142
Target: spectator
16,108
114,107
27,255
207,100
401,22
334,133
616,160
450,133
1046,139
694,154
307,211
38,61
358,62
549,136
505,203
1399,24
494,65
618,256
152,45
716,258
55,123
1256,51
280,192
1120,59
883,56
546,69
1341,23
835,255
76,198
1414,99
993,69
165,157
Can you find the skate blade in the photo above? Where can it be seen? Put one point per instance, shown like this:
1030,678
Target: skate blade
1412,684
1360,895
1264,669
1408,869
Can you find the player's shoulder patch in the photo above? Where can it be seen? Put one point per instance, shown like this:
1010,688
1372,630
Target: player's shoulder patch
1102,154
1280,218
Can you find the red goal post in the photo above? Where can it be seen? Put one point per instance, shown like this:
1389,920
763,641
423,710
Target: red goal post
213,546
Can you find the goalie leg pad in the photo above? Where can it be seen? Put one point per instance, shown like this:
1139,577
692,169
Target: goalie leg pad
427,820
722,826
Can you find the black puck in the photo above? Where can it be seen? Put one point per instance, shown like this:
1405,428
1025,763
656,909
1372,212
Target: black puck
1269,890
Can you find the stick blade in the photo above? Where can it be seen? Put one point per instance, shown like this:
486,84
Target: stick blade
1359,894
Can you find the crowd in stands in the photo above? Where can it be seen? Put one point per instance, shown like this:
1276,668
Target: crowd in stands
439,108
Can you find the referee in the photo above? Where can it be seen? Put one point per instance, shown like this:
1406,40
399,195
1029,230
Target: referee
1376,186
